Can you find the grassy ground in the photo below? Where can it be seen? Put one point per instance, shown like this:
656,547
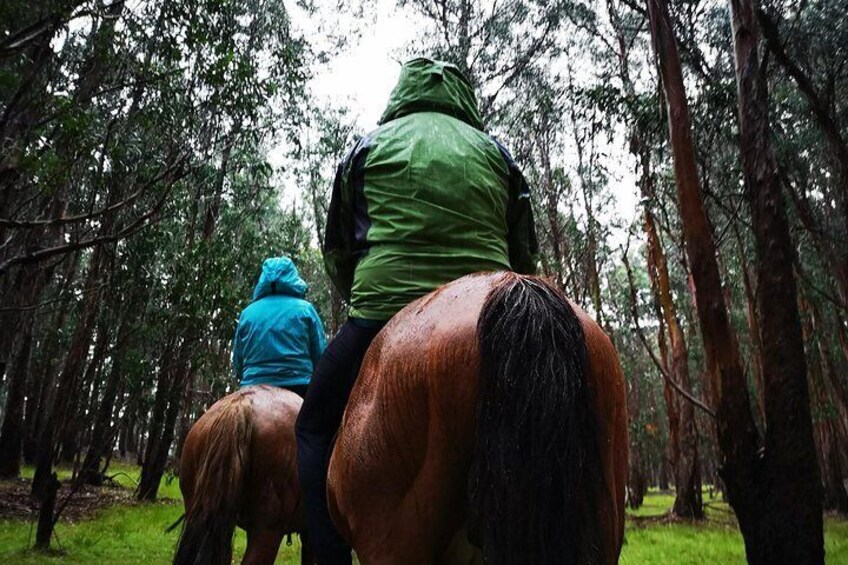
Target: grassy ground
651,539
125,534
135,534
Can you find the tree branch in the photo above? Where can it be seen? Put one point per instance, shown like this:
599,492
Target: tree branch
821,111
635,315
135,226
19,224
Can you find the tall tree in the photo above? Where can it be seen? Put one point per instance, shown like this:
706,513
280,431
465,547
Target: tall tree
737,434
683,436
791,507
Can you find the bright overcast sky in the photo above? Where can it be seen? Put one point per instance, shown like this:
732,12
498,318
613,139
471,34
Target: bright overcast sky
362,76
365,73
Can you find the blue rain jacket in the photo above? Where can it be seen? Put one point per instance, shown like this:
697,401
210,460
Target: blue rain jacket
279,337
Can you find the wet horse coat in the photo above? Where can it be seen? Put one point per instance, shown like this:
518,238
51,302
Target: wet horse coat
398,484
238,467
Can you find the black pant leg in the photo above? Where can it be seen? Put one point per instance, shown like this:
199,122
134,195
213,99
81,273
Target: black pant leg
317,424
299,390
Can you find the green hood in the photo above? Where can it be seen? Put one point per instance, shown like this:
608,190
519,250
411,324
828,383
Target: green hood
433,86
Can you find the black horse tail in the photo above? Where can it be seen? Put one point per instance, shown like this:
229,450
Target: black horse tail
532,480
212,509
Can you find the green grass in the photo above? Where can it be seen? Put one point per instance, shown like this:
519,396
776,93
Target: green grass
129,534
714,540
683,544
136,534
655,504
124,534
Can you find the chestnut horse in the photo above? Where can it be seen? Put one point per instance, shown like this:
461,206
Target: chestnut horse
238,467
488,423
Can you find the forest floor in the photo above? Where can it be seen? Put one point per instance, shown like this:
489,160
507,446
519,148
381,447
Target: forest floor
113,528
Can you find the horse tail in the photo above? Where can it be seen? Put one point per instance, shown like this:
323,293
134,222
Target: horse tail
531,485
211,512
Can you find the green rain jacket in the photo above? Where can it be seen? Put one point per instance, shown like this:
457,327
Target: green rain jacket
426,198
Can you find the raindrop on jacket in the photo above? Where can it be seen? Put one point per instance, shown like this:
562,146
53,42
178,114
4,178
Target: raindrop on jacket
279,337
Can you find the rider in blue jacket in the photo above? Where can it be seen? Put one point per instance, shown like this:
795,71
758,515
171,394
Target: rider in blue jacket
279,337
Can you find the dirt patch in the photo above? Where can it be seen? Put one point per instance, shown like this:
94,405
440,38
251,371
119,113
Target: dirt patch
16,503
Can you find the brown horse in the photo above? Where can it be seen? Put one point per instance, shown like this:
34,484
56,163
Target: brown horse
488,423
238,467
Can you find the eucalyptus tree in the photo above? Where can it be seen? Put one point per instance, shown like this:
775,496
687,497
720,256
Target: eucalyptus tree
759,489
631,98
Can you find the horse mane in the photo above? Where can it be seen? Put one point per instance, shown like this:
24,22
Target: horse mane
535,466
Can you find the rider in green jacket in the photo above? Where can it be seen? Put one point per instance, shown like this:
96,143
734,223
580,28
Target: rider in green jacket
426,198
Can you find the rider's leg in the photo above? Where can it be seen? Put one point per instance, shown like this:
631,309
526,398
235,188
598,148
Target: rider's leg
317,424
299,390
306,550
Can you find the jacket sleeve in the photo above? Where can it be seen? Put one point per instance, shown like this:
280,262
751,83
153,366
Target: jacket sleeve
347,224
317,341
521,229
339,259
238,362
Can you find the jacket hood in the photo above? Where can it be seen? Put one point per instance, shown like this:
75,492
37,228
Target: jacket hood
433,86
279,276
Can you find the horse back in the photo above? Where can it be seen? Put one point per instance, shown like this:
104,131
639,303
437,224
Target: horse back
397,484
269,488
404,445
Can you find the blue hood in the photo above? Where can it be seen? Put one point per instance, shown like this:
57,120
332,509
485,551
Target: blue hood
279,276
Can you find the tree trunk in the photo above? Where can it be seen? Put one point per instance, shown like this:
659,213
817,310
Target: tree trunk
828,436
682,431
753,325
39,390
147,487
551,197
829,391
12,433
58,410
161,433
103,432
662,475
683,434
737,434
46,513
75,425
687,479
791,521
37,394
637,484
186,420
32,280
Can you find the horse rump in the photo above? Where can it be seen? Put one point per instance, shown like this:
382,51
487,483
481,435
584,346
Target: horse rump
212,505
535,466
